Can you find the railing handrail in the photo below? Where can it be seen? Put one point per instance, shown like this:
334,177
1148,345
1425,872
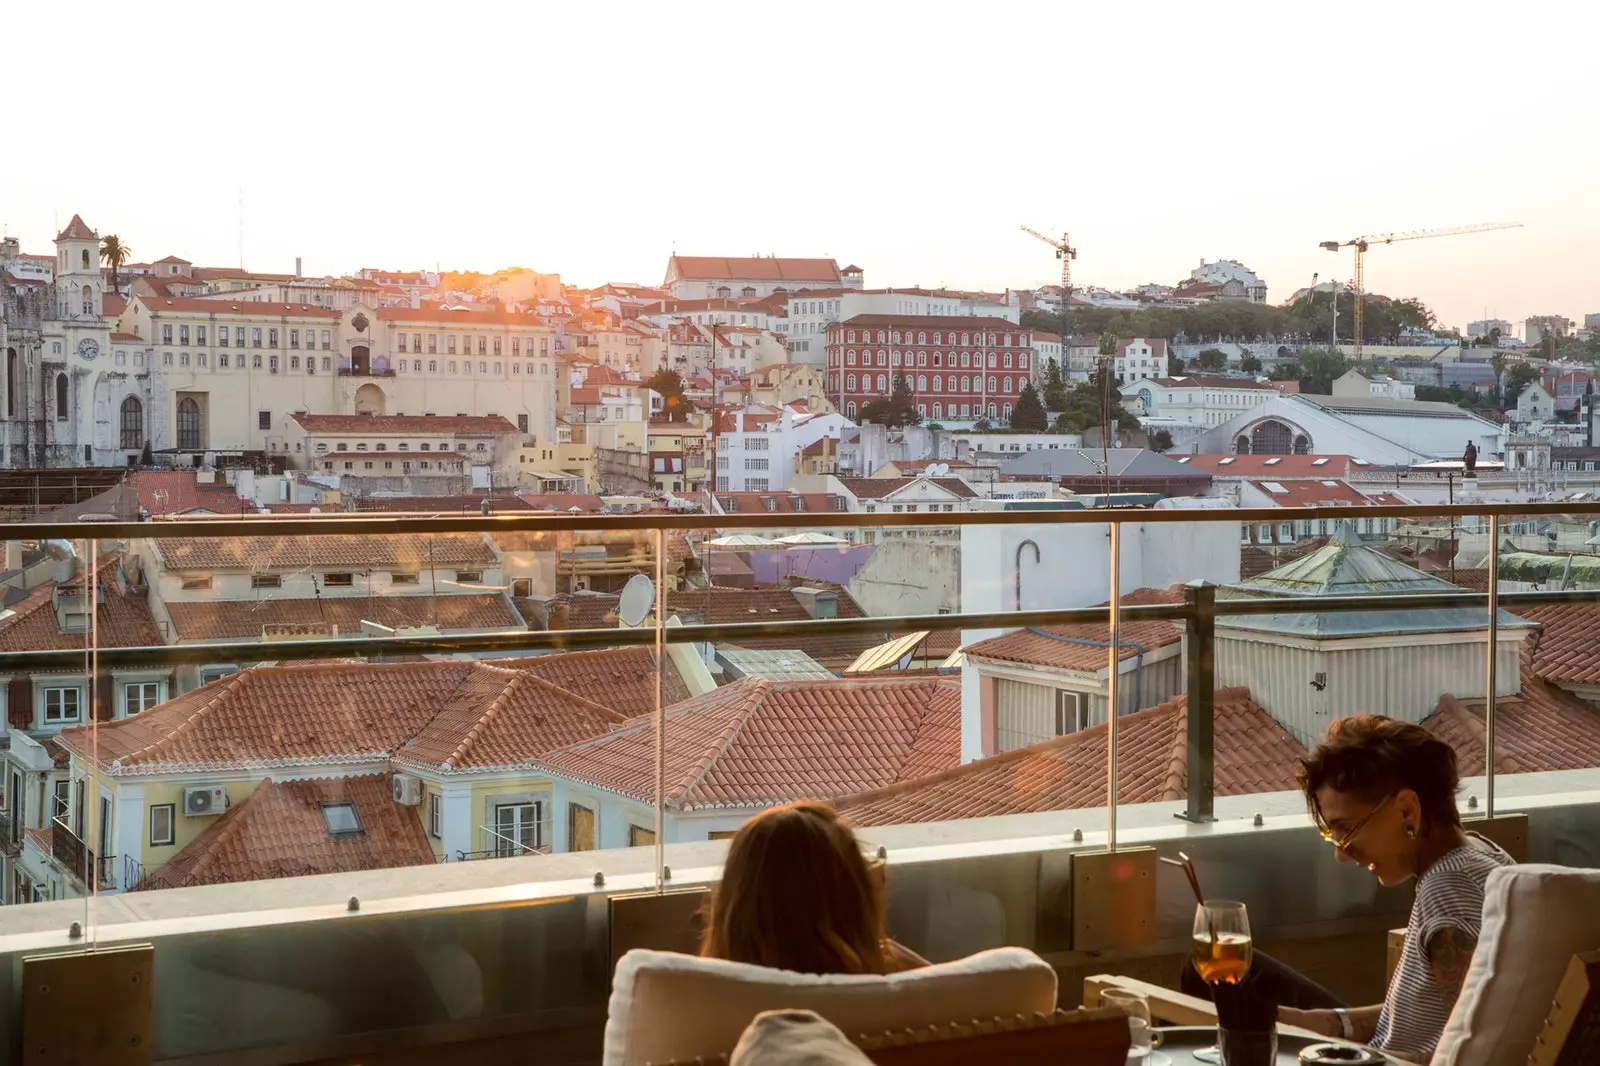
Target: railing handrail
344,524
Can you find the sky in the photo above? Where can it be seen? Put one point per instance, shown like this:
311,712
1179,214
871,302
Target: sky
913,139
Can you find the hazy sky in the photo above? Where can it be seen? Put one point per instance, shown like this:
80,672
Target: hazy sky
592,139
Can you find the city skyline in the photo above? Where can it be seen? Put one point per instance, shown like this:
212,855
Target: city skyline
868,151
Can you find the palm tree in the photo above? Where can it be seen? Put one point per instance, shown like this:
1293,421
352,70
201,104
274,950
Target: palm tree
113,253
1497,361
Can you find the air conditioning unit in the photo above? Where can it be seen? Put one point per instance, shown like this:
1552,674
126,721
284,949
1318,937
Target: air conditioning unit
407,790
204,800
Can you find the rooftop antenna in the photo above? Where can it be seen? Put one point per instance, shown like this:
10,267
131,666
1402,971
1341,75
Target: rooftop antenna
241,227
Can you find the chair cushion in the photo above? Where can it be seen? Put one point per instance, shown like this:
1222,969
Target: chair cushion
1535,918
667,1007
795,1038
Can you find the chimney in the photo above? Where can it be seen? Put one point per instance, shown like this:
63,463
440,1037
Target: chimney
818,603
13,555
297,267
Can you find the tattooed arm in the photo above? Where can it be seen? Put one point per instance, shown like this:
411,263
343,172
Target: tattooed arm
1449,953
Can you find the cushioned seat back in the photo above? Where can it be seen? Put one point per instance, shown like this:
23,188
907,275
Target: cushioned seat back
667,1007
1535,918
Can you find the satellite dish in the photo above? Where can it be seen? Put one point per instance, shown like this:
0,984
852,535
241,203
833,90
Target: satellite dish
638,597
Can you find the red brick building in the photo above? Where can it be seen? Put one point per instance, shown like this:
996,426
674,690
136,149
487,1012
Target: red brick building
958,367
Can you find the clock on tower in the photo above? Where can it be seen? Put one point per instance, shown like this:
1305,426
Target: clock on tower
88,348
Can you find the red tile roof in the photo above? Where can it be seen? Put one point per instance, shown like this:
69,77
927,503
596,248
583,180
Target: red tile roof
959,322
578,610
1040,646
1253,754
112,304
622,679
1543,728
241,307
449,716
76,230
414,551
755,742
123,620
720,605
179,492
466,503
1310,493
782,502
251,619
279,831
564,501
1567,651
407,425
876,488
754,268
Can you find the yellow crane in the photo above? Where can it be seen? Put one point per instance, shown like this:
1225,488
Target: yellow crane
1064,252
1357,283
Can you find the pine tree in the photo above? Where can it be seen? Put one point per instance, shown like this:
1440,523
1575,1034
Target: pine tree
1055,388
1029,414
895,410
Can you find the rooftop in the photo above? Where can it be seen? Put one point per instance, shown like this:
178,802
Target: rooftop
1081,647
877,488
1253,754
328,615
406,425
755,743
405,552
753,268
623,679
122,620
1566,651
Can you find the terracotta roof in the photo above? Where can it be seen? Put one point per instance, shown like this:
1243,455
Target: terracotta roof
721,605
175,259
876,488
123,620
1041,647
465,503
754,268
250,619
622,679
1543,728
279,831
563,501
1253,754
1310,492
125,337
179,491
958,322
1567,651
755,743
450,716
219,305
578,610
257,554
76,230
112,304
407,425
1275,467
782,502
500,719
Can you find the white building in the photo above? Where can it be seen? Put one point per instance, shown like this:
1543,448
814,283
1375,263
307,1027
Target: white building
1535,405
1379,430
408,455
1483,327
1196,400
757,447
1139,358
1359,383
1047,346
1225,270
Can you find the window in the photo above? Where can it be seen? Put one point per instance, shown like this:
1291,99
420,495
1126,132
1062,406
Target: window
189,424
272,338
255,336
62,705
400,345
468,577
132,423
435,815
265,581
263,419
341,818
338,581
450,344
496,347
639,837
140,696
402,579
517,828
161,825
433,344
166,334
272,364
580,827
416,342
483,345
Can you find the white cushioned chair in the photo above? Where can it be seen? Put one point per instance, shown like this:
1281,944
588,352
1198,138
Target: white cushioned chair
1535,918
666,1007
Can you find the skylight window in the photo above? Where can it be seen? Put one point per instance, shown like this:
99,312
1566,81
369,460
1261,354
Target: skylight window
1319,462
1275,488
1226,461
1184,459
341,818
1274,461
1360,462
1331,484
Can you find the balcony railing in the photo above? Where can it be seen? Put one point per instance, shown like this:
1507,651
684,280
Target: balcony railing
70,852
11,836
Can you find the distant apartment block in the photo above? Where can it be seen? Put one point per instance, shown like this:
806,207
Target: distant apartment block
956,367
704,277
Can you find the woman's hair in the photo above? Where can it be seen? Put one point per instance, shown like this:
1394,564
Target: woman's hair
797,894
1370,756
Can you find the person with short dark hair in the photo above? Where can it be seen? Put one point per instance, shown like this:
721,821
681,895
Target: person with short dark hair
797,894
1383,793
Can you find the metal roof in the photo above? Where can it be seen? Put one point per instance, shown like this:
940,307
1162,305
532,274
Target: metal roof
773,665
887,654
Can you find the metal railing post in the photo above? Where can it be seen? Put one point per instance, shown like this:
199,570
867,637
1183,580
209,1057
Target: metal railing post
1113,694
1199,639
1490,679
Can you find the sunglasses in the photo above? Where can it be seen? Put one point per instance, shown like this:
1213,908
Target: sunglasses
1342,843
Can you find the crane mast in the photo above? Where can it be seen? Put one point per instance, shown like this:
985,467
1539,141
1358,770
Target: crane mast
1066,253
1358,285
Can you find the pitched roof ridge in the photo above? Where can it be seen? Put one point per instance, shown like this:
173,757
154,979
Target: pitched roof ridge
527,677
233,822
485,719
760,687
924,710
203,712
1177,777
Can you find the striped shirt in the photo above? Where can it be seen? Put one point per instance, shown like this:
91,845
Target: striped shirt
1449,894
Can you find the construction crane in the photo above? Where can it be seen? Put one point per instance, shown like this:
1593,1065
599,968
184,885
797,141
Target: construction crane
1357,283
1064,252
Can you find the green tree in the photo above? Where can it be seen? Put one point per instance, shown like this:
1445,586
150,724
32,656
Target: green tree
1108,344
1211,359
1028,416
1161,441
675,407
1518,378
1284,371
1174,365
1497,363
147,457
1055,388
1249,363
113,253
897,409
1318,368
982,425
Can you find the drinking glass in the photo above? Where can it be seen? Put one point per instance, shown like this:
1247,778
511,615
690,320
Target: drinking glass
1221,950
1137,1008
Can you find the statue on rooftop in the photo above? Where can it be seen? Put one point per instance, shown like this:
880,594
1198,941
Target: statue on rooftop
1469,459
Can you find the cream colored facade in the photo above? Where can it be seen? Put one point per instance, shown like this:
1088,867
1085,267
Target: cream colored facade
564,456
209,396
418,449
782,384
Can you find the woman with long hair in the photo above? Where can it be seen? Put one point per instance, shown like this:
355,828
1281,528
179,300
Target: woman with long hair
797,894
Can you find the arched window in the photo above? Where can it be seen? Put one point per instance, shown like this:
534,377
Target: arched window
1008,412
966,384
850,337
991,411
188,424
992,386
1007,385
61,397
850,383
938,383
938,410
922,383
132,423
850,409
1273,437
13,381
883,384
1241,445
86,259
88,300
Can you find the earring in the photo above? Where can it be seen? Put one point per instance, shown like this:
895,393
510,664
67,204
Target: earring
1411,831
